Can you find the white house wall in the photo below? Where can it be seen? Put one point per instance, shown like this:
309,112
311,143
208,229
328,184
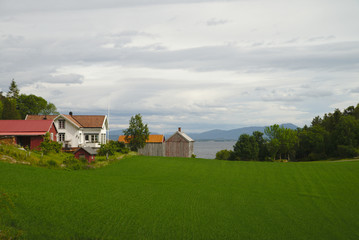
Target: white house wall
94,131
71,132
75,136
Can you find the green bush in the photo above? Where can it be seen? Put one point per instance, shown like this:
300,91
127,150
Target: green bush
52,163
48,145
72,163
225,155
347,151
316,156
112,147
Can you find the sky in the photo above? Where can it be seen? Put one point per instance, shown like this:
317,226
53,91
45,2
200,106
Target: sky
195,64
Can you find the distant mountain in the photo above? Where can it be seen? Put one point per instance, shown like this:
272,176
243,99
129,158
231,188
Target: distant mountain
224,135
114,134
214,135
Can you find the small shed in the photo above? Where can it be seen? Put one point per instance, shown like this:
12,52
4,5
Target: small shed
88,153
179,145
154,145
26,133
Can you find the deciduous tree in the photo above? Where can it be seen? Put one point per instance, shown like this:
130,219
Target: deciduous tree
137,133
246,148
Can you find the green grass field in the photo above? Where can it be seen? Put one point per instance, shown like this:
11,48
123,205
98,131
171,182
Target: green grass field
174,198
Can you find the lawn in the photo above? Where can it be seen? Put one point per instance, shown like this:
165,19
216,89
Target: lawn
175,198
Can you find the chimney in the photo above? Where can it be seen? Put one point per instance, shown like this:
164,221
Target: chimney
70,113
179,129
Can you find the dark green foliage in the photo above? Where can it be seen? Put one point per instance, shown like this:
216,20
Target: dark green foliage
10,110
112,147
282,142
334,136
246,148
30,104
48,146
16,106
72,163
49,109
13,90
225,155
262,145
137,133
347,151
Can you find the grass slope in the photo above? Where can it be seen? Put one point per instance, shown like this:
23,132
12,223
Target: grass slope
173,198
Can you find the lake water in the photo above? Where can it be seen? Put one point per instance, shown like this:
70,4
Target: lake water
209,149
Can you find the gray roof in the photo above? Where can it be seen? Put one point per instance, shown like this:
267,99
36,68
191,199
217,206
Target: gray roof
185,136
89,150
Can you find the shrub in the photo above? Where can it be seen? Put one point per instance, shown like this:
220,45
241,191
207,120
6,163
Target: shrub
48,145
316,156
112,147
225,155
52,163
72,163
347,151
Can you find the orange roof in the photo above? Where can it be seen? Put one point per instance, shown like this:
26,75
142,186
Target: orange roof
154,138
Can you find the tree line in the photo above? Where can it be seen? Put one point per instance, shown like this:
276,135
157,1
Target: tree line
14,105
335,135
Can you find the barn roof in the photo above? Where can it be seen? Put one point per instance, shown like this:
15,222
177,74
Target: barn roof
89,150
24,127
85,121
183,135
153,138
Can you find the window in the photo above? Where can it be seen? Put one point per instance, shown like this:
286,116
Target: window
93,138
52,136
61,137
61,123
103,138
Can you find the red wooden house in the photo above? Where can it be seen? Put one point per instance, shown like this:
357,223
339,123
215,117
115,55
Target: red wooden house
86,152
26,133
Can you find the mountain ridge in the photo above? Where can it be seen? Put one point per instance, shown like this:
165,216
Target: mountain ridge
216,134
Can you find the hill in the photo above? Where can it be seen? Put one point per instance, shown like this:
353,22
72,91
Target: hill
233,134
216,135
176,198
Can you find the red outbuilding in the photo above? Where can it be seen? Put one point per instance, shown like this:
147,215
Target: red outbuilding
86,152
27,133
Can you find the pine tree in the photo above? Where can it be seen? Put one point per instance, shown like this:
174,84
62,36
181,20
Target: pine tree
13,90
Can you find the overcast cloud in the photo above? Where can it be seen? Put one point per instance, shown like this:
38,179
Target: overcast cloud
198,64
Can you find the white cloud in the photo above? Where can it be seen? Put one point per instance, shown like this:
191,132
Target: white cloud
196,64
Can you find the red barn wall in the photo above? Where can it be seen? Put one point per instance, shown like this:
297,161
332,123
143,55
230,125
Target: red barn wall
53,131
88,157
35,142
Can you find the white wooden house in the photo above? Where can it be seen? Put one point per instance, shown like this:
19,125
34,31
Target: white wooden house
76,131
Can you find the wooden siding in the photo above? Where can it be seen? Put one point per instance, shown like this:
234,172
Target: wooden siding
177,146
8,140
152,149
81,152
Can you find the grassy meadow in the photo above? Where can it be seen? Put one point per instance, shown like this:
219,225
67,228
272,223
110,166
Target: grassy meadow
174,198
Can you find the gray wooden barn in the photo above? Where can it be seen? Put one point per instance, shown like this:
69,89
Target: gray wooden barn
154,145
179,145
